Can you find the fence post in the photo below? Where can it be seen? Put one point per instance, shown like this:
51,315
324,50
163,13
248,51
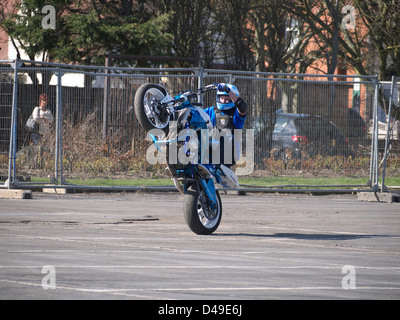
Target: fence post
105,99
59,144
374,143
200,82
12,181
384,189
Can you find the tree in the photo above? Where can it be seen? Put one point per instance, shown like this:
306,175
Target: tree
189,23
324,19
23,23
85,31
278,41
231,22
382,19
123,27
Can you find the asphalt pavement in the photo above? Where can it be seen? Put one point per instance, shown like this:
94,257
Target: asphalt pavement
137,246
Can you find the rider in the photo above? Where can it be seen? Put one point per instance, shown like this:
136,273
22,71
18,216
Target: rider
229,113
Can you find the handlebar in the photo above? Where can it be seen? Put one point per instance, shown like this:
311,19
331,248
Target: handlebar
210,87
192,94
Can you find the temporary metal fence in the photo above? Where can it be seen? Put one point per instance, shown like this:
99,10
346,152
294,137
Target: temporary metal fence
339,139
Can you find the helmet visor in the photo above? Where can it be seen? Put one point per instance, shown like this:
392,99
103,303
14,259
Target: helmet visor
224,99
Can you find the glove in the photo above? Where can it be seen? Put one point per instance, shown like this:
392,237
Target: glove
223,88
241,105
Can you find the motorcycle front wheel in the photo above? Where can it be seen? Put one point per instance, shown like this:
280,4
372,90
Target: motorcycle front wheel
199,216
147,107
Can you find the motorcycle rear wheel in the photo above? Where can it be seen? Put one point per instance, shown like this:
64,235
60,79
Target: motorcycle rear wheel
146,104
200,218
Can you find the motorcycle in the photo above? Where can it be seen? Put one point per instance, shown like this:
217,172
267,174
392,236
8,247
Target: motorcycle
178,128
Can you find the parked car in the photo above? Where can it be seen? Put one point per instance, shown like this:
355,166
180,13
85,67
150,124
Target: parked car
394,132
356,127
295,135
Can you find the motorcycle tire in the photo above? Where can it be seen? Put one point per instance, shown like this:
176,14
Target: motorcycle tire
199,221
146,100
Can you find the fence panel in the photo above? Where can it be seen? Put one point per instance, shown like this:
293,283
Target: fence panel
389,130
6,98
100,120
310,132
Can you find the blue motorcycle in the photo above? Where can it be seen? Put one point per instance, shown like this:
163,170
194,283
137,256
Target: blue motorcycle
181,131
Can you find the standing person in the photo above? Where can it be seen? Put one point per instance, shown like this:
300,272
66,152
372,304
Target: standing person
229,113
43,117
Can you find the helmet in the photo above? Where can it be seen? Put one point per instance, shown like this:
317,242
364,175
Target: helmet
226,106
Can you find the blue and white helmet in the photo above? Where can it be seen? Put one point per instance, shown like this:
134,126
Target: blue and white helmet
226,106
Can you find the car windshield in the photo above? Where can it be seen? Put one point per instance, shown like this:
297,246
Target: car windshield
281,123
306,126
